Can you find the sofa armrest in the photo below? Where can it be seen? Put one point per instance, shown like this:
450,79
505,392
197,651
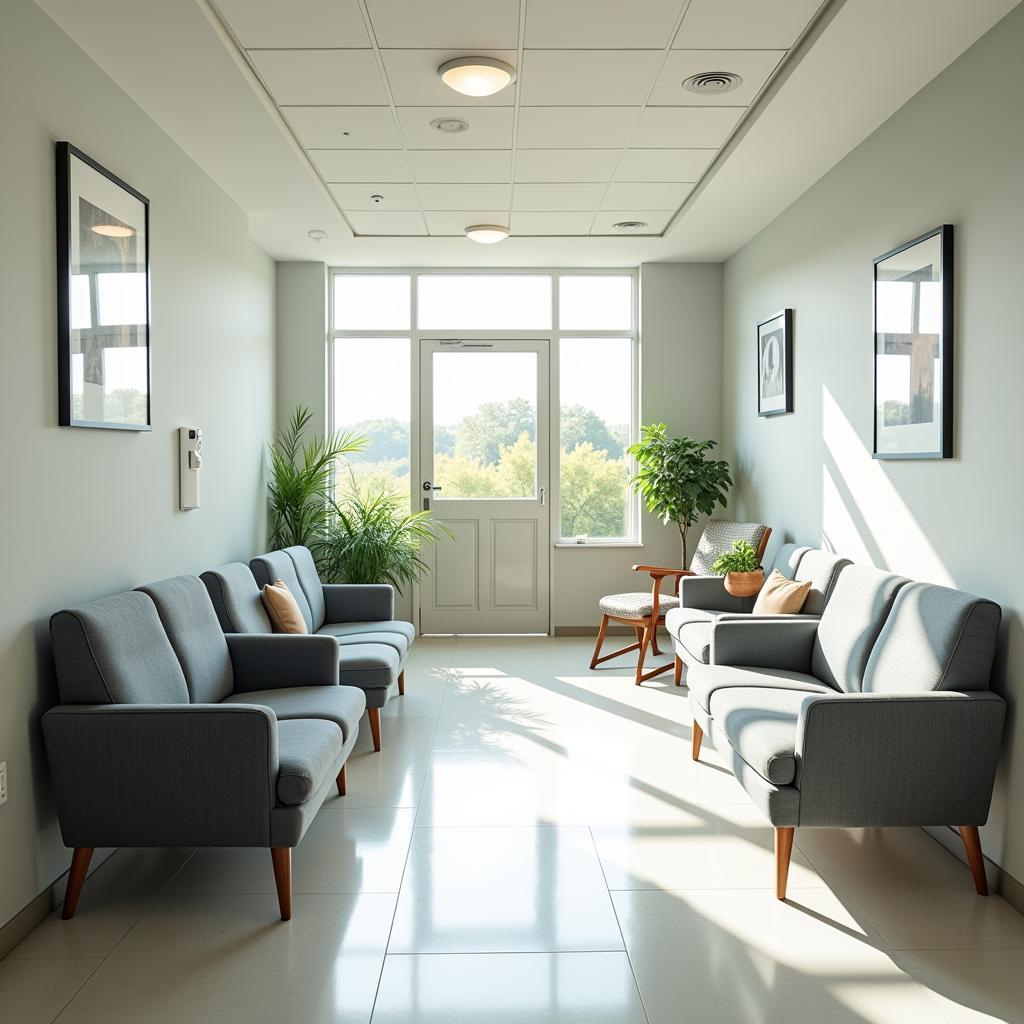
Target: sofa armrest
359,602
784,642
163,774
872,759
709,593
271,661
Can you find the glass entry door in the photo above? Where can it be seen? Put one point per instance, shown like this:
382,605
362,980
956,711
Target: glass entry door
484,468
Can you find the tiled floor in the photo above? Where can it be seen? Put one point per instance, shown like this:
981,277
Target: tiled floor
533,845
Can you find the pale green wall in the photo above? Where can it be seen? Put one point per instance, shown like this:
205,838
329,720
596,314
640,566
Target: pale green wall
84,513
955,154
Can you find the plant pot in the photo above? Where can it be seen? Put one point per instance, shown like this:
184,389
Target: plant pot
744,584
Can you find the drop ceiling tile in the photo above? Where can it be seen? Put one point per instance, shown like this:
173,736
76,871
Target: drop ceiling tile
456,222
298,23
664,164
344,127
575,127
656,221
464,165
387,222
356,165
595,23
685,127
645,196
463,24
465,197
550,223
744,24
565,164
321,76
587,77
414,81
489,127
393,196
753,66
568,197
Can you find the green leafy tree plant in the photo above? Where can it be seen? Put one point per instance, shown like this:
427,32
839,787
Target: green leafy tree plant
742,558
299,491
677,480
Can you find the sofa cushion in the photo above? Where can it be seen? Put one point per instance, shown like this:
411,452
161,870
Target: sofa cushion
781,595
787,559
282,608
676,618
277,565
116,651
934,639
705,680
343,705
190,622
394,634
695,637
236,599
760,725
309,578
822,568
307,750
856,611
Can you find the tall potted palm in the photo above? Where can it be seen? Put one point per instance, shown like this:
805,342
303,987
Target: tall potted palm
677,480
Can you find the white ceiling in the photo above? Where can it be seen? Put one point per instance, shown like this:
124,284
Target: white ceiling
861,61
356,82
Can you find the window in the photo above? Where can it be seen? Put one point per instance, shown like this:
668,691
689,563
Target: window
601,302
372,302
484,302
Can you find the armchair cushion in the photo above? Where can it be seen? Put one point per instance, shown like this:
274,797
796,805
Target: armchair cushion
718,538
695,637
236,599
306,751
705,680
359,602
343,705
634,606
272,661
760,724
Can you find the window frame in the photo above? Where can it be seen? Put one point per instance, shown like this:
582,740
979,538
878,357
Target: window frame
553,336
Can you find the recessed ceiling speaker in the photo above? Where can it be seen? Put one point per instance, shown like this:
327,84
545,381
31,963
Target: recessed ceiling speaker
713,83
630,225
449,125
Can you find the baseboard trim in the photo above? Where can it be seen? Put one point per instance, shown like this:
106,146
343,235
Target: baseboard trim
592,631
999,879
29,918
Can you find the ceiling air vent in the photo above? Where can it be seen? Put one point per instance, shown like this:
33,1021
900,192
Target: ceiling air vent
713,83
630,225
449,125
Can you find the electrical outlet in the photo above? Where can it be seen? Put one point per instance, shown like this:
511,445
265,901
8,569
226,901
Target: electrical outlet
3,782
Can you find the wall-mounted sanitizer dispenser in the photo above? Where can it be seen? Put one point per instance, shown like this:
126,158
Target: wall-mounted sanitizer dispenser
190,461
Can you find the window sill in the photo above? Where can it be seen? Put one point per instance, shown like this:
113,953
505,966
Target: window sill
599,544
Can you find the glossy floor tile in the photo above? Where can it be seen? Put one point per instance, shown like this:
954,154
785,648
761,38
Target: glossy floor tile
35,991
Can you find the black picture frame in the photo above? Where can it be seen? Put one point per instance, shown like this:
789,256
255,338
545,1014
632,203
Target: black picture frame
71,406
908,264
775,342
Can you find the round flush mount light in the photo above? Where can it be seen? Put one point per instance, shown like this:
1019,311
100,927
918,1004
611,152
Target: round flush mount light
477,76
487,234
630,225
113,230
449,125
317,234
713,83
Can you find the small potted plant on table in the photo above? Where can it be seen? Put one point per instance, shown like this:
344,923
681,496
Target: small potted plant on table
744,577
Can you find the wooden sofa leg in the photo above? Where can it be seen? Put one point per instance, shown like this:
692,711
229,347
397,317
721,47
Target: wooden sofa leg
374,715
401,683
342,780
600,640
698,735
76,878
972,844
783,853
677,669
282,858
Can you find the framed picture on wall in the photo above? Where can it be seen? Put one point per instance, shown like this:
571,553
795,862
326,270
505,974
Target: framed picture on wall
775,364
103,307
913,325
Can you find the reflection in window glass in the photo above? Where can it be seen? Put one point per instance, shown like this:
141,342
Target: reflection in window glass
596,381
121,298
371,302
485,424
372,397
484,302
599,302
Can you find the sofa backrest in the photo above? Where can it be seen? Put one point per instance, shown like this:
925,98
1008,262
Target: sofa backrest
191,625
277,565
934,639
856,611
115,651
787,560
718,538
822,568
305,569
236,599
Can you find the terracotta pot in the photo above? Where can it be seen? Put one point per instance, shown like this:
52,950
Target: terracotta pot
744,584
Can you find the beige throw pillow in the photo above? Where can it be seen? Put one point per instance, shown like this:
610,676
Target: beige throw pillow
781,596
282,608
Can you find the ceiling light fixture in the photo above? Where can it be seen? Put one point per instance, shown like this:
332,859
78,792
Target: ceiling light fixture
317,234
113,230
630,225
713,83
449,125
477,76
487,234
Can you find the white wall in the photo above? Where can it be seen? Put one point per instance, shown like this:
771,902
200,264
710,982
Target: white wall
85,513
955,154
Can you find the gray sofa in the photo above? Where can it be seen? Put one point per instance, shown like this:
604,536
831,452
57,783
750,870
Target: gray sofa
878,713
373,645
170,733
704,600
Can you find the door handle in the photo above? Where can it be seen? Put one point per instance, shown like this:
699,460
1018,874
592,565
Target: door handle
428,486
543,495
